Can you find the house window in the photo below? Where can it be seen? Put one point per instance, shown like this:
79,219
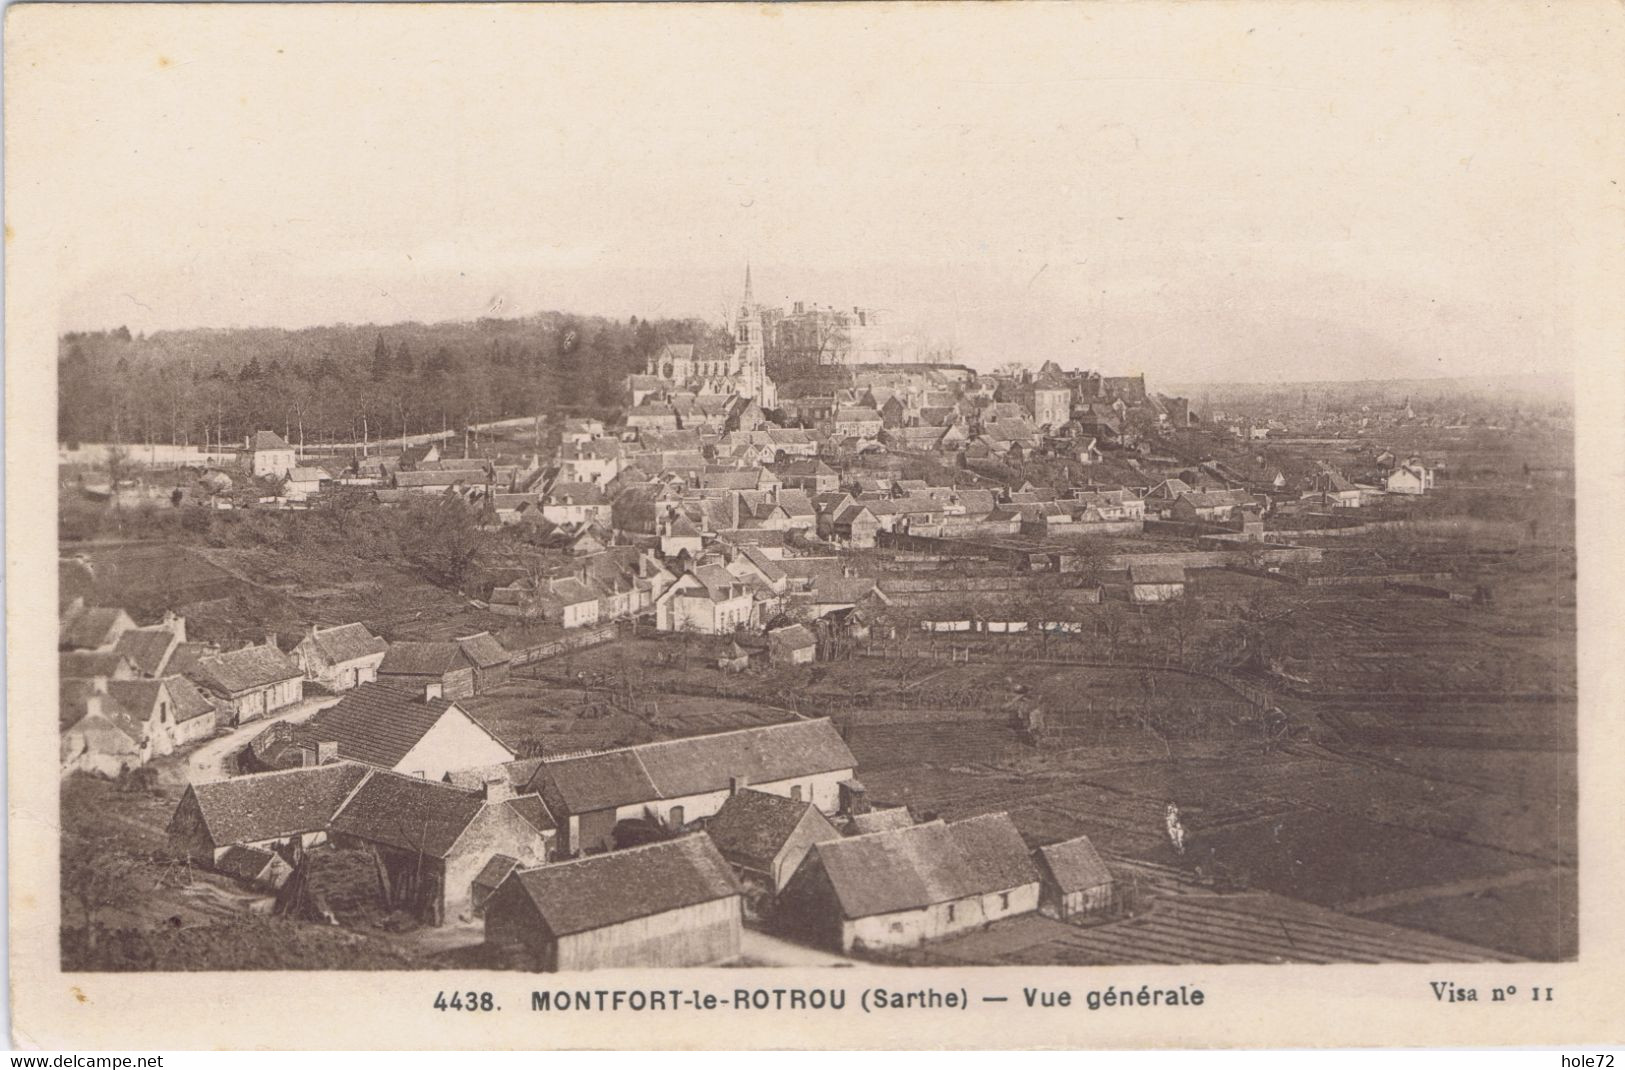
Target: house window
950,912
1004,900
677,817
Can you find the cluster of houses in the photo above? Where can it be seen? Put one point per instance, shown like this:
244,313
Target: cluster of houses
130,693
650,855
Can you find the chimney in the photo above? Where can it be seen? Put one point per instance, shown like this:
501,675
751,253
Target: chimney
433,690
736,784
270,638
497,789
93,704
98,684
327,750
176,624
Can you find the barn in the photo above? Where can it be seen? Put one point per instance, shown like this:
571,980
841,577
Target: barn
668,904
422,667
903,887
1075,880
765,837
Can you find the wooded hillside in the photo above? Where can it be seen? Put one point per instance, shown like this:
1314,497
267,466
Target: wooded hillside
332,383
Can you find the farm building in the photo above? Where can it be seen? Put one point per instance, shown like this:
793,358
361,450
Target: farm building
892,817
288,810
765,837
340,657
1075,880
682,780
443,669
667,904
792,645
433,841
389,729
194,716
1155,583
491,660
249,683
100,734
903,887
255,867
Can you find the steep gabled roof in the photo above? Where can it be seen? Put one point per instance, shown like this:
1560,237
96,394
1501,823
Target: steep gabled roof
752,826
995,855
423,659
913,867
251,667
484,650
375,724
269,440
603,890
269,806
1074,865
149,648
409,813
348,642
84,664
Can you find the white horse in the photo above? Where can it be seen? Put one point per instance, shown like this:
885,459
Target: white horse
1176,830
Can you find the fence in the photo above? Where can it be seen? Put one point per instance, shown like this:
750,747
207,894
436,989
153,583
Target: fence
1255,695
590,637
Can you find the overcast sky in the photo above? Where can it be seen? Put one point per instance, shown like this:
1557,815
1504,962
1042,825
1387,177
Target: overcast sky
1214,191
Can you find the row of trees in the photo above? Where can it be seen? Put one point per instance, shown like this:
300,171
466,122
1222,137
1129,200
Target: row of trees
339,383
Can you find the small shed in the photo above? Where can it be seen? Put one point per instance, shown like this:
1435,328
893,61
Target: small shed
1150,583
1075,881
792,645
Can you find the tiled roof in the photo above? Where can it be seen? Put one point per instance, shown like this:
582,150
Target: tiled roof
895,817
790,638
996,856
484,650
347,642
1156,573
913,867
246,669
594,782
1075,864
87,663
752,826
270,440
88,627
534,812
423,659
762,755
149,648
374,723
591,893
244,863
409,813
902,869
495,871
268,806
678,767
190,702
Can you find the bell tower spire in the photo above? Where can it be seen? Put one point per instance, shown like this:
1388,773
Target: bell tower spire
748,302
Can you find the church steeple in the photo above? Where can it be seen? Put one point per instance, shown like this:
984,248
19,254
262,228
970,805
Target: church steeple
748,302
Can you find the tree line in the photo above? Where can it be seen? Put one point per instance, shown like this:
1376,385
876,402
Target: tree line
343,382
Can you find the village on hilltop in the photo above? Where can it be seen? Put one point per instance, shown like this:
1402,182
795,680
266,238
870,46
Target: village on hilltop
800,653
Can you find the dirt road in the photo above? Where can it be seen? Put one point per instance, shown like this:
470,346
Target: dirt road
205,762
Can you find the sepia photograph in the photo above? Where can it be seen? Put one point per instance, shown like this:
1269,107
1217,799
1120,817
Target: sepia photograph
540,489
